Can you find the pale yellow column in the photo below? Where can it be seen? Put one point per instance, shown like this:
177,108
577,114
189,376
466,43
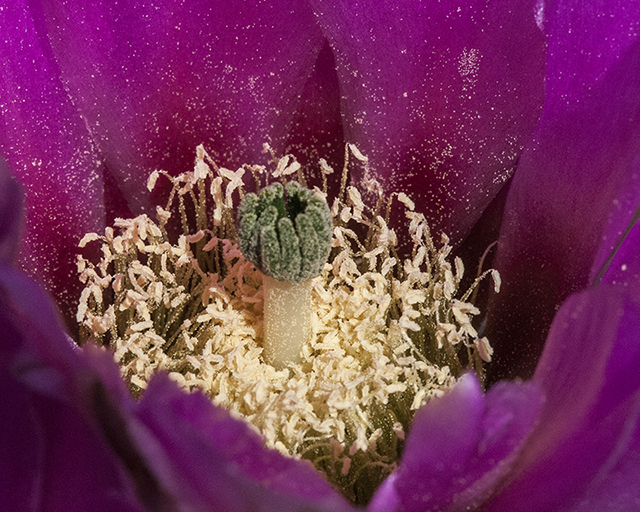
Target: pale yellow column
287,320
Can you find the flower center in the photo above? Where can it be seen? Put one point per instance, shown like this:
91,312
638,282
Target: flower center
385,335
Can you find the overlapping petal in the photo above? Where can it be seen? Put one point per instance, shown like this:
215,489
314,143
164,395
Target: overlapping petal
153,80
461,447
48,149
53,457
568,440
457,89
580,167
210,461
584,453
440,96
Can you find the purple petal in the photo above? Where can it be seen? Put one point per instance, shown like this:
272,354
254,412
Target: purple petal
214,462
589,429
80,471
441,98
580,166
54,457
461,447
153,81
624,269
618,258
317,124
42,332
21,441
46,145
11,215
584,42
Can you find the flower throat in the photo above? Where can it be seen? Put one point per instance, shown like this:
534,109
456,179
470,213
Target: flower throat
384,334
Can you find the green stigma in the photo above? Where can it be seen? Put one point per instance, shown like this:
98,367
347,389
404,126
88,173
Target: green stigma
288,238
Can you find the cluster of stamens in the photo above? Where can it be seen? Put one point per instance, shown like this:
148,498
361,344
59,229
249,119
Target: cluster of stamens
387,334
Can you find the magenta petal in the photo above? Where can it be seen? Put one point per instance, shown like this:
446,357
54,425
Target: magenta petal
317,124
618,258
11,215
80,472
589,429
47,148
155,80
440,96
43,336
580,169
53,457
624,269
215,462
461,447
584,42
21,443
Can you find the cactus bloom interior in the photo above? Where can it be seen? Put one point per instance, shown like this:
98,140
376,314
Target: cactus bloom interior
511,120
335,375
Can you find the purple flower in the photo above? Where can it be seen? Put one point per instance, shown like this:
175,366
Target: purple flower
443,99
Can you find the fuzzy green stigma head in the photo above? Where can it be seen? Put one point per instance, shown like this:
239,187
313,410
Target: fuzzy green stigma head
287,238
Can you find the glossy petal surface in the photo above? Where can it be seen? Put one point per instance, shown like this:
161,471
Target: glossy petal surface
440,96
461,447
585,452
579,170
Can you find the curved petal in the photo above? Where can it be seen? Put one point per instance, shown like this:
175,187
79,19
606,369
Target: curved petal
579,167
47,148
589,430
214,462
155,80
461,447
58,458
440,97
